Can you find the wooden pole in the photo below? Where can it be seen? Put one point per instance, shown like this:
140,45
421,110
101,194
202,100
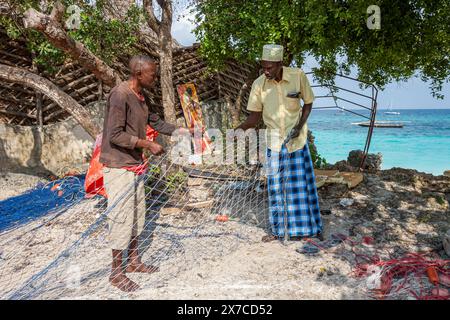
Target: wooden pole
100,90
39,113
38,95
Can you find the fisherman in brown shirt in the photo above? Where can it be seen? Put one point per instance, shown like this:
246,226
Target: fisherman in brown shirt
124,138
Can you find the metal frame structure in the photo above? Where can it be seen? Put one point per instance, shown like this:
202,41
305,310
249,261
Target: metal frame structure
372,100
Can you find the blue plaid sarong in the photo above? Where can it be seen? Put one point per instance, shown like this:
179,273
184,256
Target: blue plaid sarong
292,190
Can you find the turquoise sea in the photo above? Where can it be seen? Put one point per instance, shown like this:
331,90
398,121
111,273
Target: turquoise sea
422,144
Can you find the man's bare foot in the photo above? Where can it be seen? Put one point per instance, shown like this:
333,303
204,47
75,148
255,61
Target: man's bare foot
269,238
122,282
138,266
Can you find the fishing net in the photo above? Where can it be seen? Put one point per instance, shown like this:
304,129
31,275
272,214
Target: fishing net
54,243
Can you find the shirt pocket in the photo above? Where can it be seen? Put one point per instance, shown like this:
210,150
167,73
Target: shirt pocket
293,104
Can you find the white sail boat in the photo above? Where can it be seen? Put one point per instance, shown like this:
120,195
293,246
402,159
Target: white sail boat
390,110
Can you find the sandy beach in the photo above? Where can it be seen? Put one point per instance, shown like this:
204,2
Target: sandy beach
199,258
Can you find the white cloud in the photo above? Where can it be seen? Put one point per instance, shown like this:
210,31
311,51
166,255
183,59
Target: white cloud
182,27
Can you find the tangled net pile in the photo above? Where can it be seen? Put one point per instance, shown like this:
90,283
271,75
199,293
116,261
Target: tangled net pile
417,276
54,245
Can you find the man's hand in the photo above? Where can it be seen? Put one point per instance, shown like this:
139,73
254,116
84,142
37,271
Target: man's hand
251,122
155,148
294,133
152,146
191,130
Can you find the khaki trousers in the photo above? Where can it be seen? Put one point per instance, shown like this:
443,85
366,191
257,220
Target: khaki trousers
126,199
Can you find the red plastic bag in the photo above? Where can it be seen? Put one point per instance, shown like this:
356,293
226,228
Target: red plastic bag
93,184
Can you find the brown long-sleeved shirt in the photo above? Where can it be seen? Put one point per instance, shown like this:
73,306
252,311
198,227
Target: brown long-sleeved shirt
126,119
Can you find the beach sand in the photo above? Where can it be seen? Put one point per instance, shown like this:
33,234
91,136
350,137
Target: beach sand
199,258
13,184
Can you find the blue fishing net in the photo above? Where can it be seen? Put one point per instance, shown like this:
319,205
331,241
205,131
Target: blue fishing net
55,196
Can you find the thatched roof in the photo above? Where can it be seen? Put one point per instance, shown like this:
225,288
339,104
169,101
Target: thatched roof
19,105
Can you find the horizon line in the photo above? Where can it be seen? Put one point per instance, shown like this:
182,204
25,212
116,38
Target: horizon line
405,108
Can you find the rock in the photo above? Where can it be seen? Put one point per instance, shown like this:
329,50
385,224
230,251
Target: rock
326,173
418,183
400,175
346,202
437,201
446,242
341,166
333,190
194,182
362,230
447,173
372,163
198,194
352,178
324,176
166,211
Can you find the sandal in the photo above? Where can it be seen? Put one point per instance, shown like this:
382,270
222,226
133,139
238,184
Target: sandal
308,249
269,238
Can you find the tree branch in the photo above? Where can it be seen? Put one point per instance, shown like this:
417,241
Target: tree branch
147,49
245,86
57,12
166,6
66,102
55,33
152,21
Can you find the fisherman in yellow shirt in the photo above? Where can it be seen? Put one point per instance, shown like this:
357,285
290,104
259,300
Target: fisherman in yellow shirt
275,97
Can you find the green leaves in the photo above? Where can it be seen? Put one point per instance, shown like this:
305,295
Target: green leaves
414,36
317,160
106,38
12,30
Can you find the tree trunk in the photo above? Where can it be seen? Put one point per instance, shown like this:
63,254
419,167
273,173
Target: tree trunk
117,9
163,30
66,102
166,62
52,28
235,110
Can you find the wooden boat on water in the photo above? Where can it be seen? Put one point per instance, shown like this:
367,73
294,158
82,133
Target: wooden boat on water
390,112
381,124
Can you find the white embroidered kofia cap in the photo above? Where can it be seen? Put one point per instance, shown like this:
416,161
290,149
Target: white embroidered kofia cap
272,52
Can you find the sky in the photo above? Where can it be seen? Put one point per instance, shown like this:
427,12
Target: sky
413,94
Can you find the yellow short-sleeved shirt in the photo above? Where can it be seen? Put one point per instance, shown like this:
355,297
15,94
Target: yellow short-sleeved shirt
281,113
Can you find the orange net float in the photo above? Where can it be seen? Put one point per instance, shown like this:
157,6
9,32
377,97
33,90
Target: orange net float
432,275
222,218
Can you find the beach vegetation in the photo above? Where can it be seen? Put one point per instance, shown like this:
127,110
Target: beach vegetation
413,38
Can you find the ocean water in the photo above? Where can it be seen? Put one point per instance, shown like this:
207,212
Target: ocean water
422,144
